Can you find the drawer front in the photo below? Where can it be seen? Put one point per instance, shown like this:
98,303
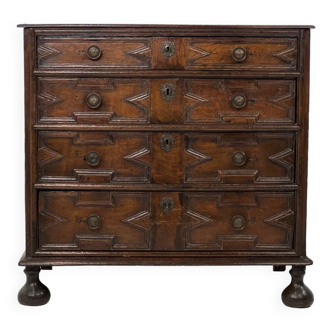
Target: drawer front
242,54
85,52
110,221
93,100
165,101
97,157
275,54
240,158
166,158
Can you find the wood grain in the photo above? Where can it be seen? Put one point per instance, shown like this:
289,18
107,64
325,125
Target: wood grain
141,101
164,26
141,158
62,156
65,101
262,54
183,177
72,52
135,221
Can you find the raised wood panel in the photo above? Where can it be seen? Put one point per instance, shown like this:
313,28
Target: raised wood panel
167,111
125,221
167,166
269,221
176,61
267,102
71,52
62,157
262,53
65,100
269,158
167,230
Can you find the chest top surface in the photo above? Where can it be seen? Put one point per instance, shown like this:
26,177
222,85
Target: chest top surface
167,26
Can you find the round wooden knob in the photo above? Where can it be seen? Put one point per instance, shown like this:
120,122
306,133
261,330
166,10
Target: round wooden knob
93,52
239,100
93,100
93,158
94,221
239,54
239,158
238,222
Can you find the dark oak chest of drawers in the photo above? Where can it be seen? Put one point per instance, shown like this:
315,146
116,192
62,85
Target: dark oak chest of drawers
166,145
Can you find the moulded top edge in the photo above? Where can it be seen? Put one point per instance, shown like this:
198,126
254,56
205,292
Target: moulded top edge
144,26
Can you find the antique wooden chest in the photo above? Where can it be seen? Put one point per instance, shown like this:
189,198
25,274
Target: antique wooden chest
166,145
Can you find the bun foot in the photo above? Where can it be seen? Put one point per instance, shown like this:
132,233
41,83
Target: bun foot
297,294
33,293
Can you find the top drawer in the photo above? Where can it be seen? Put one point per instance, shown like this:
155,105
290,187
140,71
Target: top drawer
259,54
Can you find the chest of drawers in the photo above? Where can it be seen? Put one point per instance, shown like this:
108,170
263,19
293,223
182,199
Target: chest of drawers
166,145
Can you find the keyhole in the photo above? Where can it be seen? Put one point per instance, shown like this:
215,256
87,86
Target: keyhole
167,49
166,141
167,92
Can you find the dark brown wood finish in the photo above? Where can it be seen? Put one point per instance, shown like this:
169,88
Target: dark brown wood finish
67,101
165,27
137,221
34,292
140,158
261,54
134,101
186,53
166,145
127,53
212,101
66,156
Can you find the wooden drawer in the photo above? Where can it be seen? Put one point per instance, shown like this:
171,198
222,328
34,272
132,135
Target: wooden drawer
223,53
166,101
110,221
166,158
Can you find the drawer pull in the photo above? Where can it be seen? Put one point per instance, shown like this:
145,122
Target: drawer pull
239,100
168,49
93,100
239,54
238,222
93,52
93,158
167,142
94,221
239,158
168,91
166,204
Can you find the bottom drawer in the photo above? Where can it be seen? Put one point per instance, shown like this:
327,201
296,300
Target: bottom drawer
161,221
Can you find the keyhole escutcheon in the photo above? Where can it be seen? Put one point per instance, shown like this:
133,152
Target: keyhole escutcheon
168,49
166,204
167,142
167,91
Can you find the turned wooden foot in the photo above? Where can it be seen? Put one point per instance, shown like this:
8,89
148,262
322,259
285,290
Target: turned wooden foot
33,293
297,294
